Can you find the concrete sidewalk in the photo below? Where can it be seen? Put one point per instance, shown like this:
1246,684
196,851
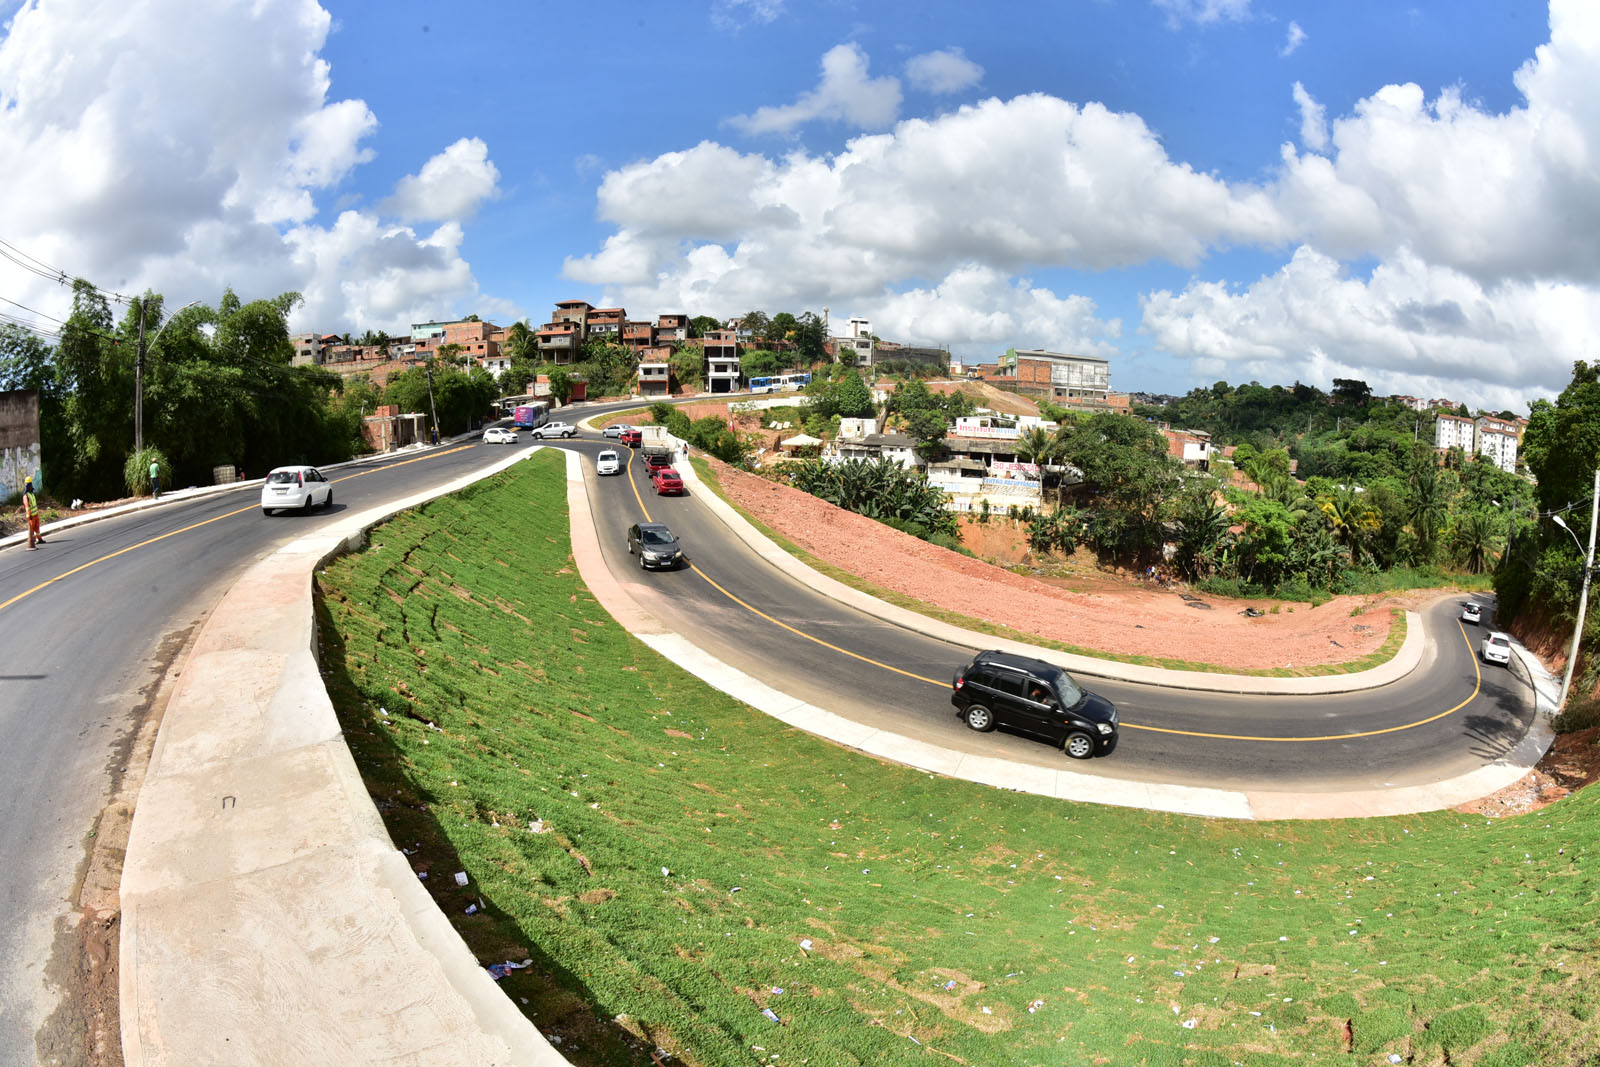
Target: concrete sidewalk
266,916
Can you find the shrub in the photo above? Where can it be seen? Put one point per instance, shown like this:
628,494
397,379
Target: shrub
136,471
1580,713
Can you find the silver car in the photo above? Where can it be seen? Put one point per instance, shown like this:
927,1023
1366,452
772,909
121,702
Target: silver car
301,488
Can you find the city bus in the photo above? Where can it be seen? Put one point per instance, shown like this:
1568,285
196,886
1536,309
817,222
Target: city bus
527,416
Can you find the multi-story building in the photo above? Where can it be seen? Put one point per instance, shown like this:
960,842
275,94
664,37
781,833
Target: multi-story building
1068,380
1454,431
723,370
655,372
672,328
638,336
1415,403
308,347
721,347
1500,448
857,345
607,323
559,341
1498,440
573,311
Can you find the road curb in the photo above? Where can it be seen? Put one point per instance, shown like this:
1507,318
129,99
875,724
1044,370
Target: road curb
1403,663
267,918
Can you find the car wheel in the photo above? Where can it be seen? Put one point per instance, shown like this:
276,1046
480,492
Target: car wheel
980,718
266,511
328,503
306,506
641,562
1079,745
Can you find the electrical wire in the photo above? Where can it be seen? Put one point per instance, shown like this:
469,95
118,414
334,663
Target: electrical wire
40,268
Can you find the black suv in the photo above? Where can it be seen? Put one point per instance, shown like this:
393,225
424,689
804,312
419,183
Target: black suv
1037,698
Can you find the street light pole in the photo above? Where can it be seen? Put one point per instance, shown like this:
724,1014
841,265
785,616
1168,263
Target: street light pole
435,412
138,372
1583,598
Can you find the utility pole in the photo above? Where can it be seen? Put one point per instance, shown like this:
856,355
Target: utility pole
1583,598
138,372
431,409
138,388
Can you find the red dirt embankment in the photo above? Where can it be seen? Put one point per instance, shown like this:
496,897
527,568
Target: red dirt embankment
1092,611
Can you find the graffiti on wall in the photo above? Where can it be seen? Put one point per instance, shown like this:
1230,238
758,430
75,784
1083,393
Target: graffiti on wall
19,442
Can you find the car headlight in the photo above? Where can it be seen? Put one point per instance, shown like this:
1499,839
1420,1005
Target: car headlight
1104,728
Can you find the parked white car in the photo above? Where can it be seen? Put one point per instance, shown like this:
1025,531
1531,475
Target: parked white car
499,435
607,462
302,488
553,429
1497,648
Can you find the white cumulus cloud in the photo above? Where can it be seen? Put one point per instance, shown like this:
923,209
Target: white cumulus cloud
129,166
942,72
1410,327
1313,120
1296,37
451,185
846,93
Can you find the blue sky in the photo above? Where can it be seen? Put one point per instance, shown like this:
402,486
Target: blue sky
1194,189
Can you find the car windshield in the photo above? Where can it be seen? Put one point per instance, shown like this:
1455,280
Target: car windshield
612,456
656,537
281,477
1071,695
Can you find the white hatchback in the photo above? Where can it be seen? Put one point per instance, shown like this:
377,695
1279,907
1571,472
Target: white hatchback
1497,648
499,435
302,488
607,462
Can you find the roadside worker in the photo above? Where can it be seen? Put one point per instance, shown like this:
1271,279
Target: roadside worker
30,502
155,478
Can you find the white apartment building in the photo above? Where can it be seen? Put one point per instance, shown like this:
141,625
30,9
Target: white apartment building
1454,431
1497,439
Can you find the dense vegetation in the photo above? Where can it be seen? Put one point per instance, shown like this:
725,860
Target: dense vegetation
219,388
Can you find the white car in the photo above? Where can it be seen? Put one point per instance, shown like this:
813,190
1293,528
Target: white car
1497,648
554,429
499,435
1472,613
617,429
302,488
607,463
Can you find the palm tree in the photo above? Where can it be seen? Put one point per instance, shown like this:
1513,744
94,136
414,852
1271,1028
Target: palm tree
1351,517
1202,521
1427,509
1477,540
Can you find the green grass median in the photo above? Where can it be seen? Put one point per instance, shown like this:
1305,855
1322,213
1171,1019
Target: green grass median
671,859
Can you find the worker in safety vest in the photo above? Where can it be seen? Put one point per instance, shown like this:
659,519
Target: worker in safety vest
30,502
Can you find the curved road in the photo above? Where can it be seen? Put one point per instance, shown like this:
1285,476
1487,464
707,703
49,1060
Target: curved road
93,620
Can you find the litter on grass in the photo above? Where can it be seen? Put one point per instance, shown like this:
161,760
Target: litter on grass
769,1013
461,878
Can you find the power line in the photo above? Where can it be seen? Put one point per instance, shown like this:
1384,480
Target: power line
40,268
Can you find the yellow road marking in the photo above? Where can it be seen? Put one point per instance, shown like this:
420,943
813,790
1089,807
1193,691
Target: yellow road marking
204,522
1476,688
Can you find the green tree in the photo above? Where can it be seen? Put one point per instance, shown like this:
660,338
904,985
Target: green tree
560,384
1427,508
810,338
1129,481
1200,521
853,399
761,363
701,325
780,327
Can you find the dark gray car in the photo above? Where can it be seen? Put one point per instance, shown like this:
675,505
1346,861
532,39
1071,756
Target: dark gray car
655,545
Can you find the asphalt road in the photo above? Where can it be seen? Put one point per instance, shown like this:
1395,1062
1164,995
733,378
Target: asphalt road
1451,716
90,622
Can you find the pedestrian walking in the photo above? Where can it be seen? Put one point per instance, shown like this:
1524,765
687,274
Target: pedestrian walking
30,504
155,479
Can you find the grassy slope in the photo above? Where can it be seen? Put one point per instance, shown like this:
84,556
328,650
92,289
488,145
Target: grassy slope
1385,652
938,911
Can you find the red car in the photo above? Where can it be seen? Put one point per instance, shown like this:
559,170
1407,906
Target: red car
655,461
631,438
667,482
